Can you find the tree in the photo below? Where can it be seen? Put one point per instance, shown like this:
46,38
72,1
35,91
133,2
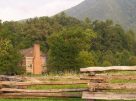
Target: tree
10,58
130,40
110,37
66,21
108,58
132,61
87,23
86,59
65,48
106,63
68,40
122,58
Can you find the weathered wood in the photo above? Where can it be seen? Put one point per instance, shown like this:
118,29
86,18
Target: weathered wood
7,90
112,86
99,83
109,96
42,83
109,77
93,77
39,95
100,69
11,78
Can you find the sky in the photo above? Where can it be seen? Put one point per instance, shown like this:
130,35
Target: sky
22,9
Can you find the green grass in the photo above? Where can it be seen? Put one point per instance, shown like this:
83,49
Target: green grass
44,87
46,99
121,72
123,81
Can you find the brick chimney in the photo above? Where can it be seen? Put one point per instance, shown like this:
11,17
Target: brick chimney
37,60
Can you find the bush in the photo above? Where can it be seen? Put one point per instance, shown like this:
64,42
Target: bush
86,59
132,61
10,59
106,63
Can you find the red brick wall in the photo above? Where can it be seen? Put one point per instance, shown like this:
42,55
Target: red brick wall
37,60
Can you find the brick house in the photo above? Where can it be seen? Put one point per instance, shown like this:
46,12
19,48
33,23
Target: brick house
34,60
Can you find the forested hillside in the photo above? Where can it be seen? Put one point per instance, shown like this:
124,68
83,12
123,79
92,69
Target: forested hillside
120,11
69,42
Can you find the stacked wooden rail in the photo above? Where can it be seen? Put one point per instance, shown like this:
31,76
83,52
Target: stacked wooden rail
18,90
100,86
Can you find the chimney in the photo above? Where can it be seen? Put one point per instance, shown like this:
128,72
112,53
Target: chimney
37,60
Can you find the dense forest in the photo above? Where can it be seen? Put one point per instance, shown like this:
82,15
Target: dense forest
122,12
68,42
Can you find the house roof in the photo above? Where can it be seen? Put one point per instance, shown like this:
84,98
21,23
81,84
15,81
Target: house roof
29,52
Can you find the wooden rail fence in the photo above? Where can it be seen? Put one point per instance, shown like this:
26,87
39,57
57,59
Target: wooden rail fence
14,90
101,87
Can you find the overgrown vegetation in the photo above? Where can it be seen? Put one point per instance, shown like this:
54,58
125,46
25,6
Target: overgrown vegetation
70,43
9,58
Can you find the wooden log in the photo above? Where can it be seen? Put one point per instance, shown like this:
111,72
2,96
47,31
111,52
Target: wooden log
11,85
42,83
101,69
96,77
39,95
11,78
7,90
112,86
109,77
109,96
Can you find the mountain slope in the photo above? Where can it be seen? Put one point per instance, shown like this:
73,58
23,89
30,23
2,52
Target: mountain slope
120,11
